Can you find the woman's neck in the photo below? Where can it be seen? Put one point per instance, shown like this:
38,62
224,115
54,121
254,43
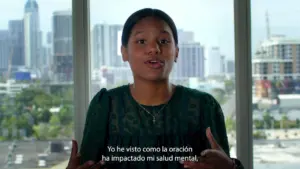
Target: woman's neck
152,93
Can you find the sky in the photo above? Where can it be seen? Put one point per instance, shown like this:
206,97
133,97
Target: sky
211,20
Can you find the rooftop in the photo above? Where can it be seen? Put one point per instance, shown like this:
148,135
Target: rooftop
31,5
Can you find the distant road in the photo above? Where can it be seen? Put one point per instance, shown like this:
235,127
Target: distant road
30,151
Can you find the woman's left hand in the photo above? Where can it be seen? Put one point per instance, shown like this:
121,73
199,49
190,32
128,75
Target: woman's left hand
214,158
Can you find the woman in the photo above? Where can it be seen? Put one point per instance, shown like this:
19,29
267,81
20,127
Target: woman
152,123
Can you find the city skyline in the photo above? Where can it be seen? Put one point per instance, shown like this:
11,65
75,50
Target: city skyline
44,104
214,28
56,55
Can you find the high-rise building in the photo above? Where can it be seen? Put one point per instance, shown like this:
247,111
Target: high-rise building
276,59
214,62
185,36
49,50
62,46
223,64
106,45
5,51
16,33
32,35
230,67
276,66
115,32
100,46
190,61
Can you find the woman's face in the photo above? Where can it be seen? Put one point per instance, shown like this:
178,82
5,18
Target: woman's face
151,50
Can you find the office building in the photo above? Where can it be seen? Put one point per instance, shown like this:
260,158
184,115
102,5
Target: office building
32,35
16,33
4,50
230,66
190,61
62,46
276,59
214,62
106,45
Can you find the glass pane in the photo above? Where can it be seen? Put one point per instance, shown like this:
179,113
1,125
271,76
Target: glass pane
36,83
206,48
276,82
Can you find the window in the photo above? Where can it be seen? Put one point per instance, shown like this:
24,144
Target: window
200,70
276,124
36,83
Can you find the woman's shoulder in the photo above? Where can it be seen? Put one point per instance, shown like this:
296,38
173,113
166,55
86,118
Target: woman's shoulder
118,90
104,92
202,96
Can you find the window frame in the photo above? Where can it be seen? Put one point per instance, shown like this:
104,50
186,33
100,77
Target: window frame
243,67
82,65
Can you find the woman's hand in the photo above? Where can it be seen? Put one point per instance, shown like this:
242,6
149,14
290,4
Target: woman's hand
214,158
74,162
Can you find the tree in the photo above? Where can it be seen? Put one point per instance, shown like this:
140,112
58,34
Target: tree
66,115
41,131
229,86
259,135
230,124
268,120
29,107
258,124
284,121
298,123
54,126
220,95
36,102
28,114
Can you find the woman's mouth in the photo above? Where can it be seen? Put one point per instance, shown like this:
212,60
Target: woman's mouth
155,63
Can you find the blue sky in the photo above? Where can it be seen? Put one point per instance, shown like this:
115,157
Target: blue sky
211,20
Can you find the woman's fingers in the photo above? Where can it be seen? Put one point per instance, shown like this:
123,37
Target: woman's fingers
98,165
74,151
74,157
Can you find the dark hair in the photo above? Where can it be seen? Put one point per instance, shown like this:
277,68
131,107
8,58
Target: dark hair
143,13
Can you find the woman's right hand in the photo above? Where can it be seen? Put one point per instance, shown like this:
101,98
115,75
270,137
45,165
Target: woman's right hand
74,162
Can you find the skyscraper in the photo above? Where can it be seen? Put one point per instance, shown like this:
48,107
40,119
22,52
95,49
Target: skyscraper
223,64
32,35
277,58
214,60
115,32
185,36
230,66
100,46
16,33
106,45
49,50
190,61
63,46
4,50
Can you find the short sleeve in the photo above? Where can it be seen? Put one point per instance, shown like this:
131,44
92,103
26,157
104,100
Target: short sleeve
93,143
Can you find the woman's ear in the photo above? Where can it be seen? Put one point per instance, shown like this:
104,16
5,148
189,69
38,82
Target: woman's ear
124,53
176,53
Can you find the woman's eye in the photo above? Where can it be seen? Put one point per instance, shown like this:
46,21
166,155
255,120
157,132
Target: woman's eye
142,41
164,41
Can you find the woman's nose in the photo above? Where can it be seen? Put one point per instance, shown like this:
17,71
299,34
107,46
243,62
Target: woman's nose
153,48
